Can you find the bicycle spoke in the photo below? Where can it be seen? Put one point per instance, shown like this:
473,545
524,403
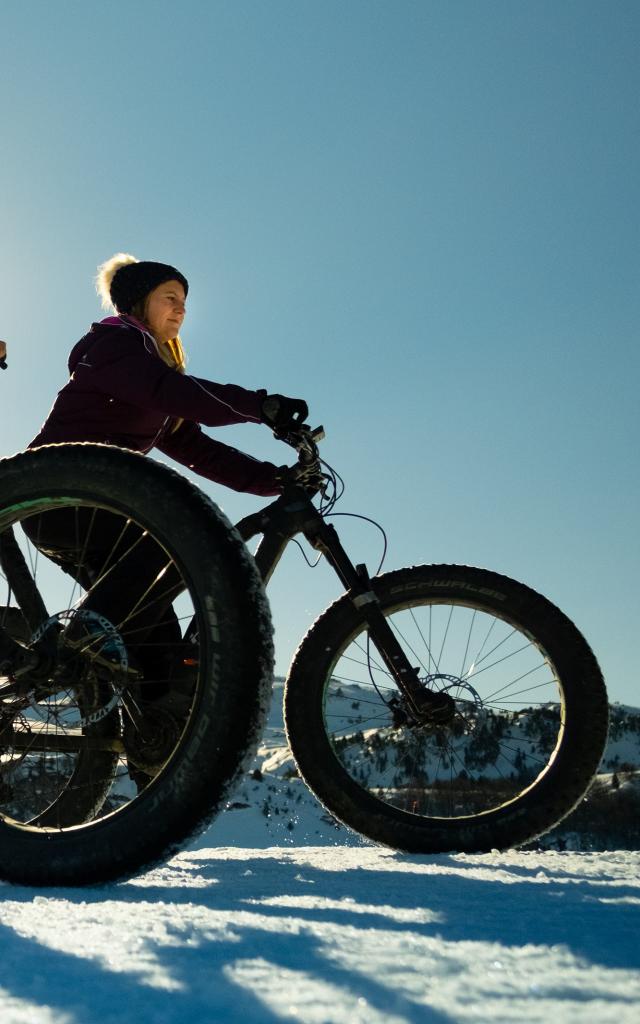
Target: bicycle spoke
491,670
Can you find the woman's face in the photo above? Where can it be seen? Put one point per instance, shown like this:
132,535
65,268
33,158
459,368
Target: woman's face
165,310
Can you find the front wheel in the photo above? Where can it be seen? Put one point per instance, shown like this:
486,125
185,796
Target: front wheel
526,738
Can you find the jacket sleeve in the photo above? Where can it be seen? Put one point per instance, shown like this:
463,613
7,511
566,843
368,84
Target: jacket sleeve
219,462
124,364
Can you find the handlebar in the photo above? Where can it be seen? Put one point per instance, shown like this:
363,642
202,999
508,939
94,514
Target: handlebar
305,440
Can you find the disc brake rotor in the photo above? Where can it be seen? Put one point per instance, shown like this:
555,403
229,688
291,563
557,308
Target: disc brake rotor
86,642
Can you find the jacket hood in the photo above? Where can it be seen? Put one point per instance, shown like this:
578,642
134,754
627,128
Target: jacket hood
81,348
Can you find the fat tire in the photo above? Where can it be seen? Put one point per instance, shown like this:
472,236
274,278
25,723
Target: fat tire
235,639
536,810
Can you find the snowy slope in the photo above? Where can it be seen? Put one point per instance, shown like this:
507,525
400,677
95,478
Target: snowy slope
273,806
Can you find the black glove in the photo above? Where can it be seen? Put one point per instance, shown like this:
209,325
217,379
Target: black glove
281,413
309,477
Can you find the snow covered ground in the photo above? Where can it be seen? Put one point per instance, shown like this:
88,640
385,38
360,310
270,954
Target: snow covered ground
331,934
275,914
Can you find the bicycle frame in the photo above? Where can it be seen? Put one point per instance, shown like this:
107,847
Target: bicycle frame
294,513
291,514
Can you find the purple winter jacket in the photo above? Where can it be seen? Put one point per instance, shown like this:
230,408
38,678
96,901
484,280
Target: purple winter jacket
121,392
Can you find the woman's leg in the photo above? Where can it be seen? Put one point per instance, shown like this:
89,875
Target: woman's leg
128,576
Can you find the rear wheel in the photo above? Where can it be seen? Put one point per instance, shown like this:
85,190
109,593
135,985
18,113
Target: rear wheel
526,738
146,662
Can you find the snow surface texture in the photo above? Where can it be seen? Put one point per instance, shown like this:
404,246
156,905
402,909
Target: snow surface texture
275,914
331,934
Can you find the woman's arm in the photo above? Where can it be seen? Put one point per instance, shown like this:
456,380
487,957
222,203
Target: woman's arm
219,462
124,365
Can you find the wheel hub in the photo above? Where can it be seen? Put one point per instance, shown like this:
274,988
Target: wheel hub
460,705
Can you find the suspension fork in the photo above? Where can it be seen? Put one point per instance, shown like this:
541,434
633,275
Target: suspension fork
425,703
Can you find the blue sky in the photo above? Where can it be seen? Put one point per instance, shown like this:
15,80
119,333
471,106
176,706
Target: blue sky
420,216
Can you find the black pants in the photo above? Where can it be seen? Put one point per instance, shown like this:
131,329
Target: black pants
128,576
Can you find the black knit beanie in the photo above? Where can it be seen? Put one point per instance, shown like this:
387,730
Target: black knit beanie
134,281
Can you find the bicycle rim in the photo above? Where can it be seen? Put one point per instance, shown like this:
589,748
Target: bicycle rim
506,730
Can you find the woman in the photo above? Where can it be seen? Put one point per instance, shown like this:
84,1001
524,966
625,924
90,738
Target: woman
128,384
128,387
